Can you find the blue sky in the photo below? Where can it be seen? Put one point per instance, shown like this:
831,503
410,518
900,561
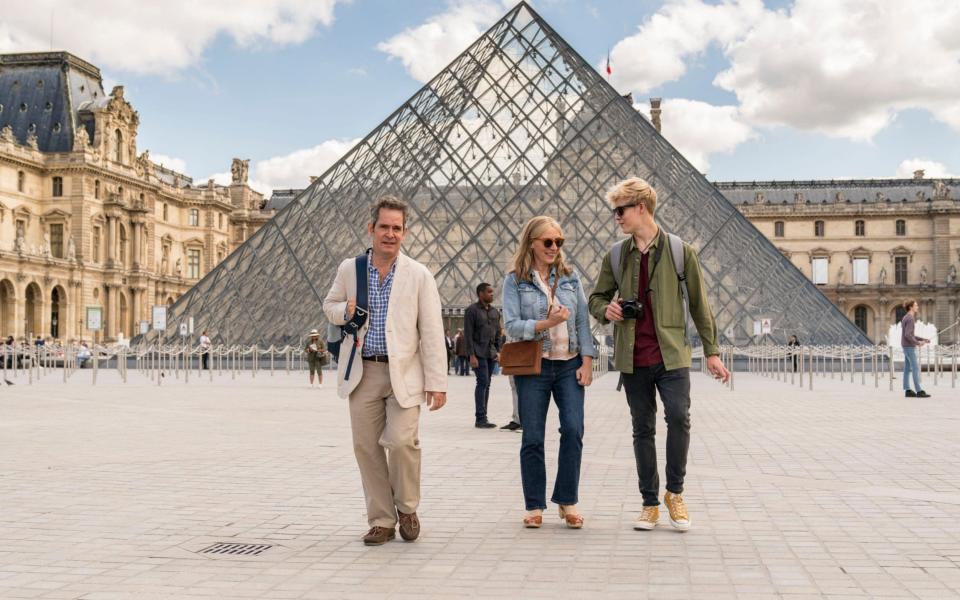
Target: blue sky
290,88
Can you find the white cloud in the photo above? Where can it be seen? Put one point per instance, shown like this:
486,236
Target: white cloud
358,71
290,170
679,31
426,49
170,162
158,37
698,129
931,168
844,68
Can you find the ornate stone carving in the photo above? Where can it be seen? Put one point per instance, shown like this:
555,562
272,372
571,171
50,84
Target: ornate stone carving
32,142
71,249
798,197
6,134
940,190
840,274
45,248
239,171
142,165
81,139
952,275
883,275
923,275
759,198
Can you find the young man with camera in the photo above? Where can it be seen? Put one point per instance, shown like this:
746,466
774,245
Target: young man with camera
651,349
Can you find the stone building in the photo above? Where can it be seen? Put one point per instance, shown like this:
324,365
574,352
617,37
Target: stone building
867,244
86,220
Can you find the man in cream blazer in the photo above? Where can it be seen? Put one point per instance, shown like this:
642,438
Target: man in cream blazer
400,364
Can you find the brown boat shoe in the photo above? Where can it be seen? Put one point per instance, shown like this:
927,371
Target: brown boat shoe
409,526
378,536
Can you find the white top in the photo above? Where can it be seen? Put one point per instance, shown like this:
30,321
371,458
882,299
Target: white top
559,336
205,342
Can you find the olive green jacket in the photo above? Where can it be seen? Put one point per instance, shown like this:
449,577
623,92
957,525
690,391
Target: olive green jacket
667,305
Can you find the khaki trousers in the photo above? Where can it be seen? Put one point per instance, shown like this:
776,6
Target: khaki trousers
386,443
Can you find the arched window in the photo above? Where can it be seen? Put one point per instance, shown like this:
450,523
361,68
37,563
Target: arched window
123,245
118,149
860,317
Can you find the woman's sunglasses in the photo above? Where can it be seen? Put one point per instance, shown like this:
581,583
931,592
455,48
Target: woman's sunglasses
548,243
619,210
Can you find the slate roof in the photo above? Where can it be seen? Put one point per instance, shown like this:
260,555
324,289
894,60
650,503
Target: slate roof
853,191
42,92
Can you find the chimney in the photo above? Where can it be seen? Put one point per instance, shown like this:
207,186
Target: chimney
655,112
918,174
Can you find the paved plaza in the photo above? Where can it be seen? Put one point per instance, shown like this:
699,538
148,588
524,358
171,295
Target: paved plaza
110,492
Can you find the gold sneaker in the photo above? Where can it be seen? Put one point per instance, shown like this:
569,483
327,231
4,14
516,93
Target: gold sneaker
679,517
648,518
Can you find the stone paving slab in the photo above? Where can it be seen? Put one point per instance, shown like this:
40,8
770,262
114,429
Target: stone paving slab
109,491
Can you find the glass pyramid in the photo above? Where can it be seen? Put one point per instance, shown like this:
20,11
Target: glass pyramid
517,125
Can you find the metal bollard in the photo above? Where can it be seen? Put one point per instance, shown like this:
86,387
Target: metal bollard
890,360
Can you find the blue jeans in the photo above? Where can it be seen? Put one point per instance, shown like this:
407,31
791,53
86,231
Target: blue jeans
911,364
481,394
557,377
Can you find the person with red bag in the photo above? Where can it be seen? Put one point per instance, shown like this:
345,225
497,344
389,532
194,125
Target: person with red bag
544,306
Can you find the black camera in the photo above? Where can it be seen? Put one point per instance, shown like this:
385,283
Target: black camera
632,309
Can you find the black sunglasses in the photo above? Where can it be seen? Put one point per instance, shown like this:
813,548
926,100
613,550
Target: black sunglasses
548,243
619,210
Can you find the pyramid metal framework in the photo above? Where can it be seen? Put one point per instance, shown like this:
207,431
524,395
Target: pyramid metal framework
517,125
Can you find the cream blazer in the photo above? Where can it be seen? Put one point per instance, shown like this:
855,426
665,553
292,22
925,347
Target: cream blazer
415,339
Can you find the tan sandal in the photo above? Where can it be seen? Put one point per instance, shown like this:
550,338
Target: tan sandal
572,521
533,521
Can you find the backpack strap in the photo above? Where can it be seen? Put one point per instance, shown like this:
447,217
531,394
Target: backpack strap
676,250
616,259
359,318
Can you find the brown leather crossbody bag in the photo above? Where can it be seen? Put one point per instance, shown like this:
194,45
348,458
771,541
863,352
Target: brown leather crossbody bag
523,358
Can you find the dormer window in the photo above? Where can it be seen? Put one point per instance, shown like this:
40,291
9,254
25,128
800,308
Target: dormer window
118,149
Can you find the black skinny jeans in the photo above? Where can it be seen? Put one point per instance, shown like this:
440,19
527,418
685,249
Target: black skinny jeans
674,387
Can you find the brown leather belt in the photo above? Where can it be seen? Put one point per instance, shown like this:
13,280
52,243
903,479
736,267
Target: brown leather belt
380,358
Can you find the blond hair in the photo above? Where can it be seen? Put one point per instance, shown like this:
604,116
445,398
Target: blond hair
523,257
633,191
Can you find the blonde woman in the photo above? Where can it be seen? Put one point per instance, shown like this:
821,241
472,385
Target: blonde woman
544,299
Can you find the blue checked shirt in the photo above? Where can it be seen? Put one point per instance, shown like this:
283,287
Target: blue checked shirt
375,341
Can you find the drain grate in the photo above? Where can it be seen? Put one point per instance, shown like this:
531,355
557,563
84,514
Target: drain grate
225,549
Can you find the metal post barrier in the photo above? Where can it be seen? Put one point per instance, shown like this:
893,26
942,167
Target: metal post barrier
876,371
96,361
936,365
732,363
890,351
271,360
953,377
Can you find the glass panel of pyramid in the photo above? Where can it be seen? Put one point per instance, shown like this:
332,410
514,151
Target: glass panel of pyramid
518,125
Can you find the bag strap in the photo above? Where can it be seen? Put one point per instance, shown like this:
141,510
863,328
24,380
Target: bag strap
359,318
616,256
676,249
553,292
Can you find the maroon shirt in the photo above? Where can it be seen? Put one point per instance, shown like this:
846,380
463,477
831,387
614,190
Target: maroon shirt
646,347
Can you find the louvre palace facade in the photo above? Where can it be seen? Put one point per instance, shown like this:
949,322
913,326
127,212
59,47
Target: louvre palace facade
86,219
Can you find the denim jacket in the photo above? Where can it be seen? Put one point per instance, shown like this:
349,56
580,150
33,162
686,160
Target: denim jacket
524,303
